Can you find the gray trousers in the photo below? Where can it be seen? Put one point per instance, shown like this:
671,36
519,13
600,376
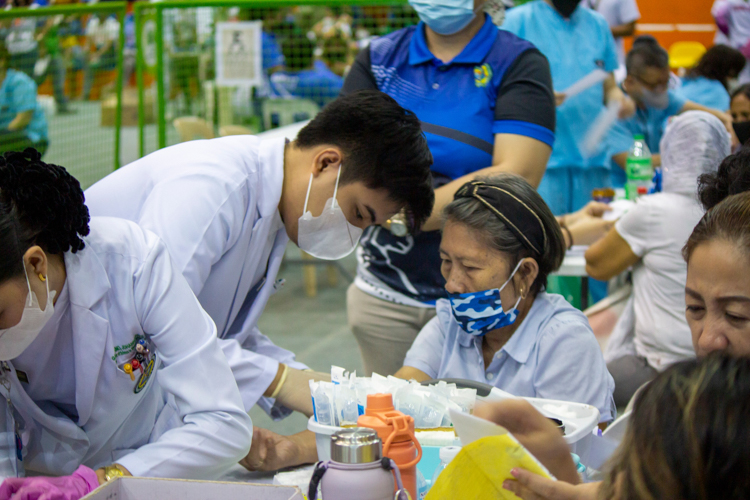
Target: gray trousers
385,331
630,373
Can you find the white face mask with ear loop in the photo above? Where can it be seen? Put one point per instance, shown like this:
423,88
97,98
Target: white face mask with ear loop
328,236
15,340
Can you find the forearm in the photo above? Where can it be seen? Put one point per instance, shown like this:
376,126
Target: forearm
530,171
612,93
411,373
306,447
627,29
291,388
21,121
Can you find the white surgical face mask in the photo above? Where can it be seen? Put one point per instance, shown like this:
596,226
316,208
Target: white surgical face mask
15,340
328,236
658,100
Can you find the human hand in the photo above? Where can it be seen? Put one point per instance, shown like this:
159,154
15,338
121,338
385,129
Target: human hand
627,108
82,482
592,209
727,120
559,98
535,432
271,451
530,486
588,230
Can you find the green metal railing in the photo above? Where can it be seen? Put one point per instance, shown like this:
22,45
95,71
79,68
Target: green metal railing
289,23
76,141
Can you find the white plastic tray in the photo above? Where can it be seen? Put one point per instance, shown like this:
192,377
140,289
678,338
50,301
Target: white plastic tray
579,419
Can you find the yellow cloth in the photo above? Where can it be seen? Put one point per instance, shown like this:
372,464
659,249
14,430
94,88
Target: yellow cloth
480,469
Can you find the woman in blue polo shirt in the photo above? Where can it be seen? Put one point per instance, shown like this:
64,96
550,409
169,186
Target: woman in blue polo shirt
486,104
499,326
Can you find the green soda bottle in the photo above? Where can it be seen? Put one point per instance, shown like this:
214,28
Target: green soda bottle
638,168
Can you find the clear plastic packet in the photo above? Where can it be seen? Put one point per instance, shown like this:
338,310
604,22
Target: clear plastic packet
465,398
408,401
345,397
323,402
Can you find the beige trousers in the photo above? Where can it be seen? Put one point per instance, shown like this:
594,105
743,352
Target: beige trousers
383,329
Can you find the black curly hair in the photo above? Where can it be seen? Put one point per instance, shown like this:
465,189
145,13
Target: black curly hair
40,204
732,177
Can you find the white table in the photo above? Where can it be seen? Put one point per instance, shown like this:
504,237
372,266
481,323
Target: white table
238,474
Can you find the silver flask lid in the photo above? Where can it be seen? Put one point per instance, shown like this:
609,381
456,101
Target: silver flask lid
358,445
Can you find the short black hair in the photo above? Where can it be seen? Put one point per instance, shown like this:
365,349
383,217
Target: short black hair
383,147
298,52
646,53
720,63
40,204
732,177
742,89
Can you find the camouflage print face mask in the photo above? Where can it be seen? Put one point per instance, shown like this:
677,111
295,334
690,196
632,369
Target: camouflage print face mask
478,313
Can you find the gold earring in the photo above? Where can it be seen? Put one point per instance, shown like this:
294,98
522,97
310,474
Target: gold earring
41,277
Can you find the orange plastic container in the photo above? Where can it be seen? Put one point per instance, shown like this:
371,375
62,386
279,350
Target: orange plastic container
396,430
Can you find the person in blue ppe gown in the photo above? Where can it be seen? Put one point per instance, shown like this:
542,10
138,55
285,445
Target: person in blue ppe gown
498,325
576,41
647,84
708,83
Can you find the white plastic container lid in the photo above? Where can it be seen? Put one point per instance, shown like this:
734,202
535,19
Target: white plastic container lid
448,453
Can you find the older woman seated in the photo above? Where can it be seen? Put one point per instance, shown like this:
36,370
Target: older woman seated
500,242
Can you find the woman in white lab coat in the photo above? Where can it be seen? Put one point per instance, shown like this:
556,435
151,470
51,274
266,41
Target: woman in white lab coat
109,365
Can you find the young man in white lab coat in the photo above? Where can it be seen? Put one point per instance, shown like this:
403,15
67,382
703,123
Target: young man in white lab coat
227,207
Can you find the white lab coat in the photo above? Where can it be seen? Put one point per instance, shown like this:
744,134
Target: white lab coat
215,204
188,420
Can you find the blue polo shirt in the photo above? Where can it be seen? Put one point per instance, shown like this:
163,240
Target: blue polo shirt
499,84
18,94
648,122
575,47
553,354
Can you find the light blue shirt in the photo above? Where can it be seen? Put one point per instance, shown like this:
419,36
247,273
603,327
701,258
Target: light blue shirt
649,122
553,354
702,90
574,47
18,94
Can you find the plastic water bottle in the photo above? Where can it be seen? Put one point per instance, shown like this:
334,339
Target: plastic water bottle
447,453
638,168
422,486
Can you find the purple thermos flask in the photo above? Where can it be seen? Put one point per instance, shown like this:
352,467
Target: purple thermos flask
357,469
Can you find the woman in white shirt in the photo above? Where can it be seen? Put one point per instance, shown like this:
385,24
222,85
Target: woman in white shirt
652,332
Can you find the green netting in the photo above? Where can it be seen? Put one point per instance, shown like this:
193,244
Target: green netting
222,68
61,86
